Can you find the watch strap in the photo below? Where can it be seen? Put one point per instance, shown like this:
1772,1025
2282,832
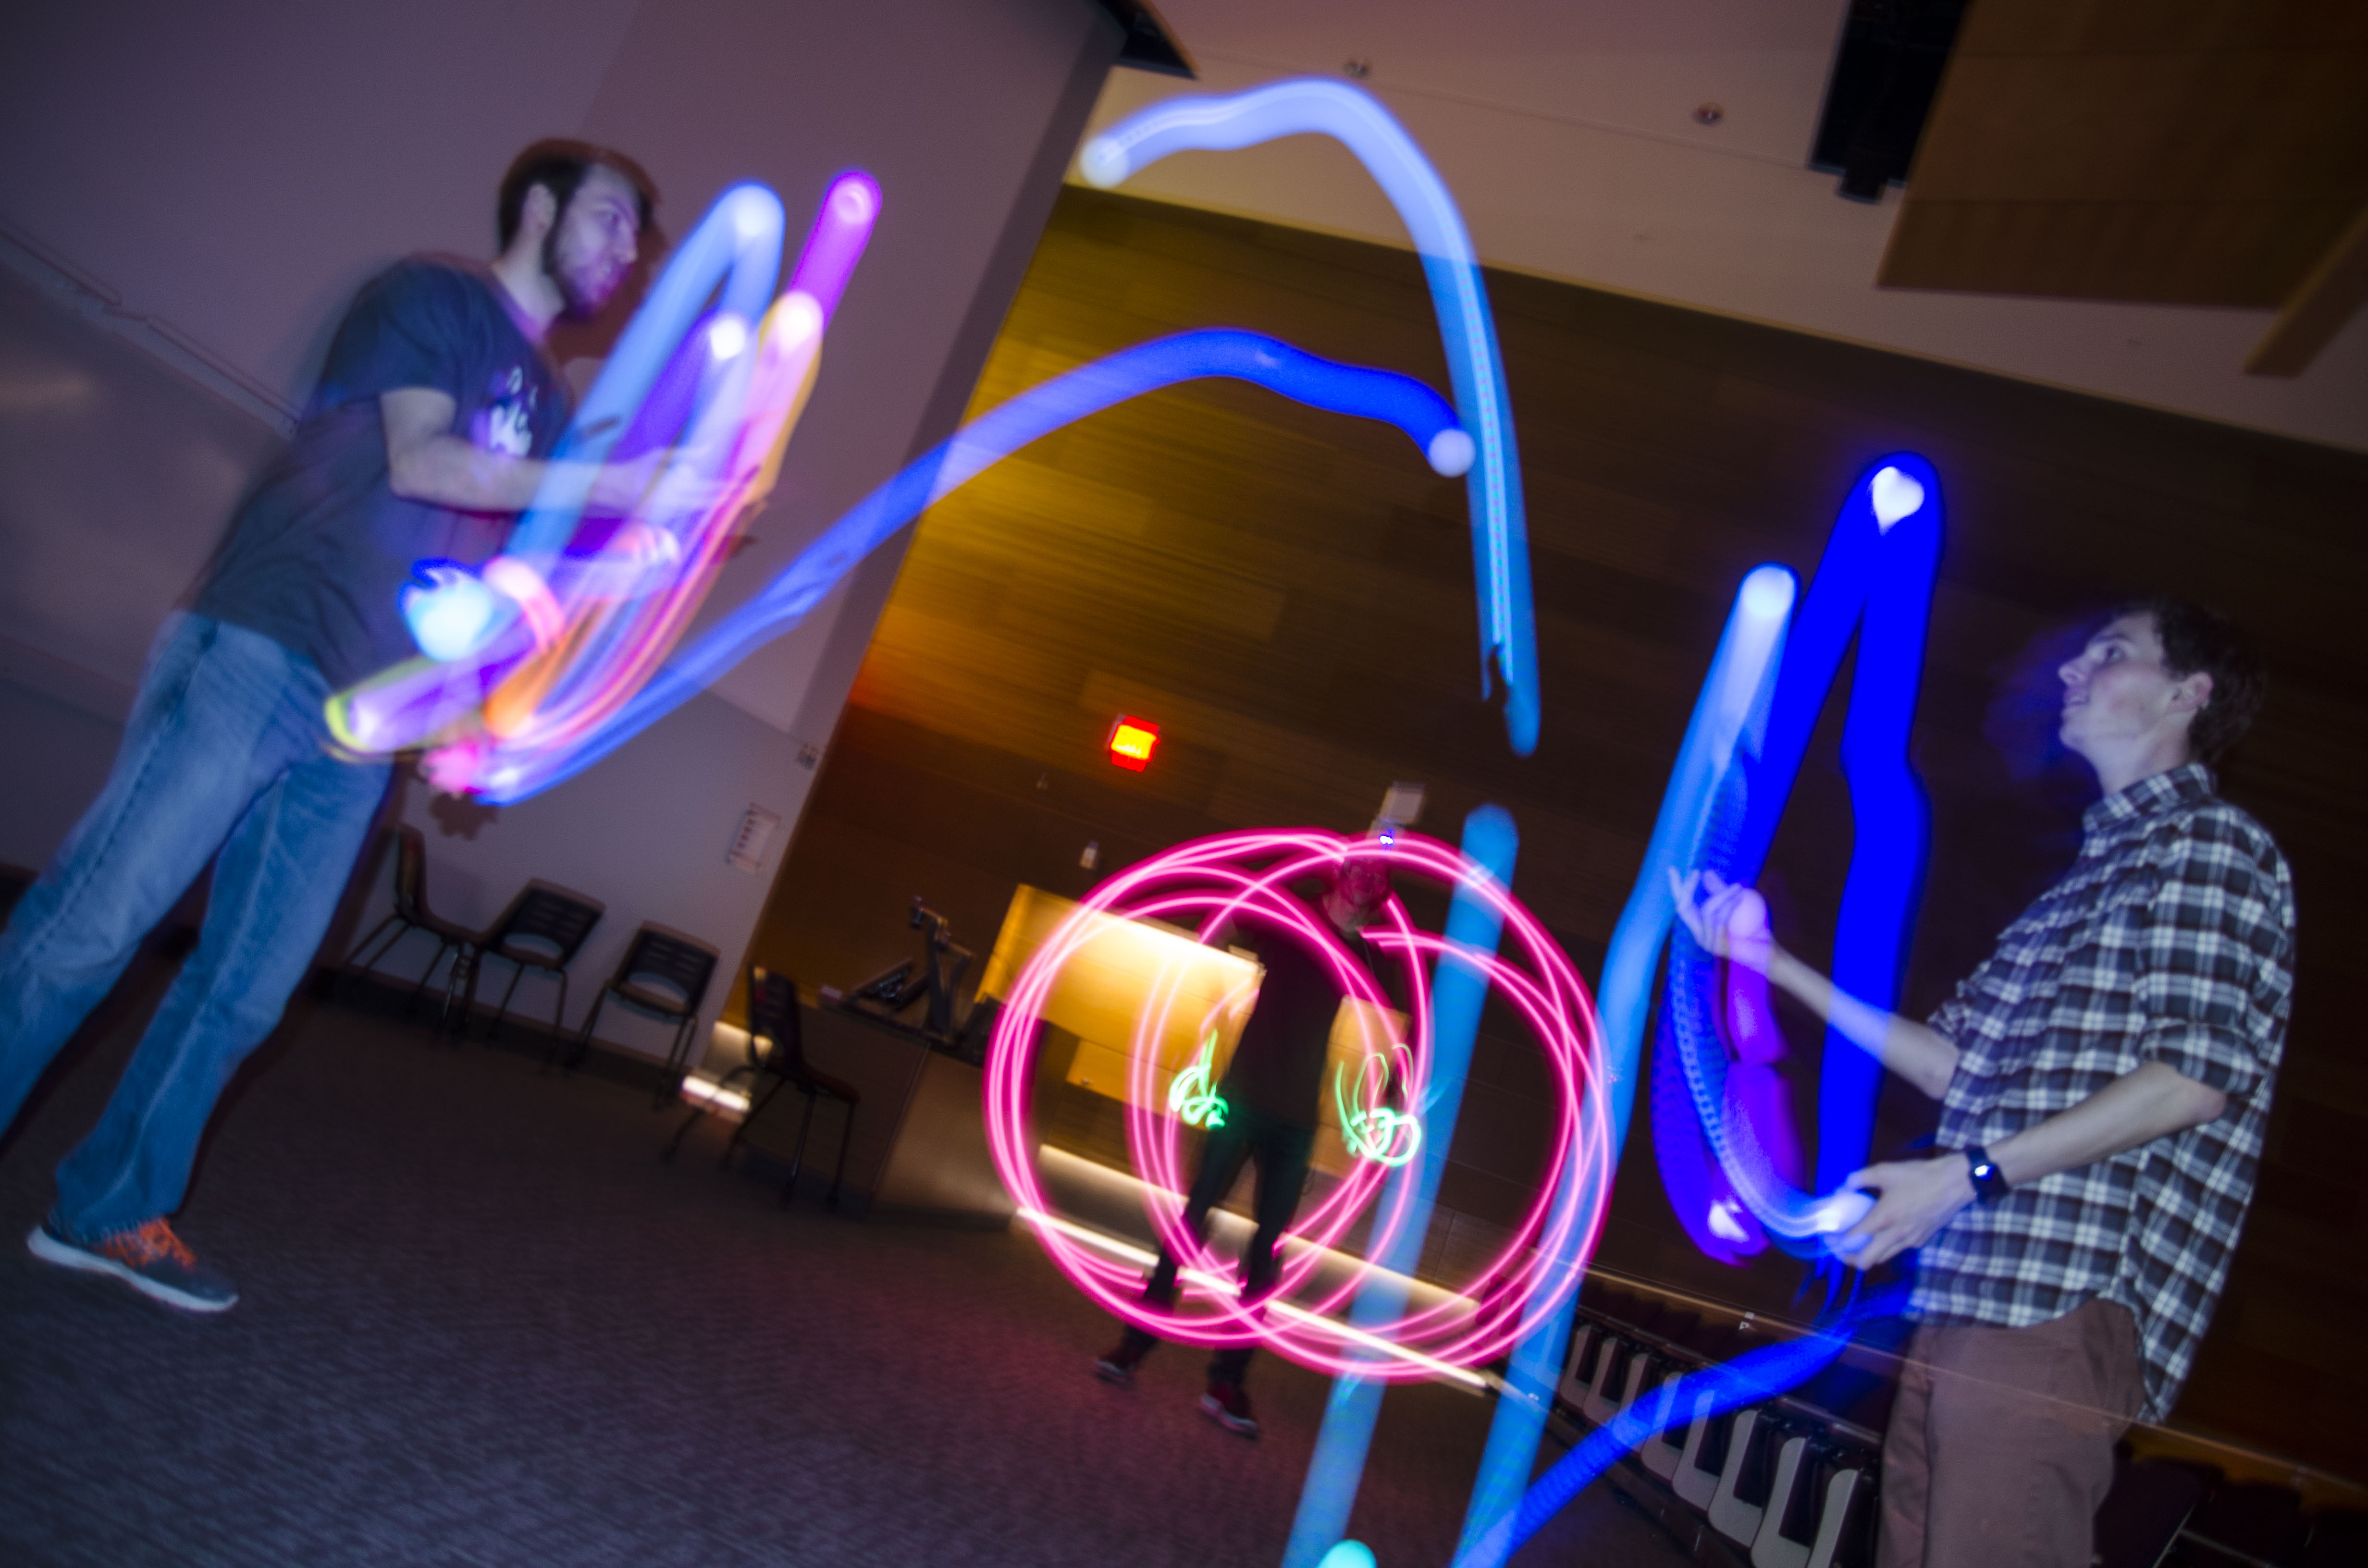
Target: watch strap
1989,1186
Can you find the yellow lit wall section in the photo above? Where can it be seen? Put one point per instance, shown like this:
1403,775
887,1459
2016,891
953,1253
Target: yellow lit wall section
1111,976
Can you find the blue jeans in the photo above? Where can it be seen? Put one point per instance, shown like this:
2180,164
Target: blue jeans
226,750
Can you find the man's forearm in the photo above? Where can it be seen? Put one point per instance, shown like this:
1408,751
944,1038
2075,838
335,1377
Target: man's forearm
448,471
1919,1197
2139,1107
1903,1046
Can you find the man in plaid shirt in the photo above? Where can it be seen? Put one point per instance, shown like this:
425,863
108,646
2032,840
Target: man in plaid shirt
2104,1080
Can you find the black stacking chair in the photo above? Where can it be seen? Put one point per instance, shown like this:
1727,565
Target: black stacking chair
773,1014
543,929
663,974
411,914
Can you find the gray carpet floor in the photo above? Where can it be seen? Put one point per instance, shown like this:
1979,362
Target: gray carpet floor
484,1324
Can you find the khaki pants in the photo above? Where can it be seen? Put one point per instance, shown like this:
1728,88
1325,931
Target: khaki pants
2001,1443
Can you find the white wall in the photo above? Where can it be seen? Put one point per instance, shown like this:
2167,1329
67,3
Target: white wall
226,176
643,834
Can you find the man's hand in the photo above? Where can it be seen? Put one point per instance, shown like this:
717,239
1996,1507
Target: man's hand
617,488
427,463
1730,921
1913,1200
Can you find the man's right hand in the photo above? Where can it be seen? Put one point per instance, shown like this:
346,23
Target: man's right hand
617,488
682,487
1728,919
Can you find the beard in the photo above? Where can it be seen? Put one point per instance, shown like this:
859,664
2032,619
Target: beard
583,289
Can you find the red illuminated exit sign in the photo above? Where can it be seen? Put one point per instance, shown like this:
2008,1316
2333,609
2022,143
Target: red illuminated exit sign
1131,742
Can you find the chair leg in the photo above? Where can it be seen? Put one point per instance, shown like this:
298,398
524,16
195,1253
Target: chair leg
846,1137
559,1013
354,962
798,1156
462,976
755,1111
517,973
442,947
582,1042
678,1064
675,1143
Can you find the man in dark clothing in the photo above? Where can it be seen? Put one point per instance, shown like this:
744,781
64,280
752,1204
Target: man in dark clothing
1271,1093
424,439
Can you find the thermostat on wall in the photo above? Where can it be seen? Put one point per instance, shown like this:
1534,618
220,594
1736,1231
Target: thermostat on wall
755,832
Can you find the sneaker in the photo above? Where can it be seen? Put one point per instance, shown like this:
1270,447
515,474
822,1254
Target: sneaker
1229,1407
1118,1366
151,1259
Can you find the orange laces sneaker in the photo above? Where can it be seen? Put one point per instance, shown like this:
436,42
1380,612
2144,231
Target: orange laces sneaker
150,1258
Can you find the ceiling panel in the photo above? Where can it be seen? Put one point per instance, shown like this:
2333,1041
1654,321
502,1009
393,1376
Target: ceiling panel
2204,153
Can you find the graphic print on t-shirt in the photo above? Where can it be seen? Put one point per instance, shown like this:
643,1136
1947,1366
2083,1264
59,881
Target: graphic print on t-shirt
507,425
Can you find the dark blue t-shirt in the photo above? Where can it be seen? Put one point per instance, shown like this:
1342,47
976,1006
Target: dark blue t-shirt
1278,1065
322,548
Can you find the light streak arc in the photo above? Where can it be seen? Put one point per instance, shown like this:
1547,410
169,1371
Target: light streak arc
1200,882
1874,579
544,644
1425,418
1459,297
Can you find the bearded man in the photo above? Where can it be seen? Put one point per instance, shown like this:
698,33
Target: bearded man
426,437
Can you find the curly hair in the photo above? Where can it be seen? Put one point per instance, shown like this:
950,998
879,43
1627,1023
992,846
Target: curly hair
2196,638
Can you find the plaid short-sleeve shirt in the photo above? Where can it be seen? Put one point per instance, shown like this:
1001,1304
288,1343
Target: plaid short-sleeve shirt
2171,940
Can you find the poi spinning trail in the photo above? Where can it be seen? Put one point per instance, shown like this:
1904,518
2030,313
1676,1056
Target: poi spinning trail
549,656
1210,883
530,656
444,693
1500,546
1721,1129
1414,408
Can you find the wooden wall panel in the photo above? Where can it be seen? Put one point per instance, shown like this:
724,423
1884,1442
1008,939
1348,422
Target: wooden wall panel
2204,153
1290,595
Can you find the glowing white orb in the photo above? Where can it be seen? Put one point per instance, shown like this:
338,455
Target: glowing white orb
1896,496
449,617
1724,1223
726,336
1452,452
852,203
1104,162
801,316
754,213
1838,1211
1767,594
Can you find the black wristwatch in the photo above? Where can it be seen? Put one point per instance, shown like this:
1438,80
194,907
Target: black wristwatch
1989,1186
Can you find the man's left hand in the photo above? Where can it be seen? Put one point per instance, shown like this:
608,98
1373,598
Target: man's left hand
1913,1200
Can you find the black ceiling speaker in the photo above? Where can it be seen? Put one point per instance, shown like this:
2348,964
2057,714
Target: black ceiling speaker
1150,43
1885,72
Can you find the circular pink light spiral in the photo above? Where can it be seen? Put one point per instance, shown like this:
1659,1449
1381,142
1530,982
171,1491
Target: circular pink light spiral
1207,882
